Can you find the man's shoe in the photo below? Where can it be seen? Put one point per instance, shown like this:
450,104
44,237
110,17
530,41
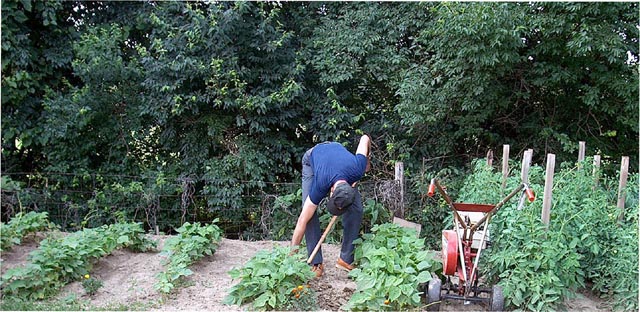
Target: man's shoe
343,265
318,269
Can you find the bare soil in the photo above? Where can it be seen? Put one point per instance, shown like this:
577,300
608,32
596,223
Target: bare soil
129,277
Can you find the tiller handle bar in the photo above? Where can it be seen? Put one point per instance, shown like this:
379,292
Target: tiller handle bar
435,184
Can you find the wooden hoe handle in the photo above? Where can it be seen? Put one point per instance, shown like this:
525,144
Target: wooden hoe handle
324,235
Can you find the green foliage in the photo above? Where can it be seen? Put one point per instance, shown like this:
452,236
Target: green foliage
91,284
375,213
392,264
279,218
234,93
268,280
304,299
483,68
22,225
34,64
537,270
69,303
539,266
60,260
102,112
193,242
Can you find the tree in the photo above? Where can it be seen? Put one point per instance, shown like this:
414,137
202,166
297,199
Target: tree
34,65
543,76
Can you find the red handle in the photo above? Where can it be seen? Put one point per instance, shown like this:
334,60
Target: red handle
530,195
432,189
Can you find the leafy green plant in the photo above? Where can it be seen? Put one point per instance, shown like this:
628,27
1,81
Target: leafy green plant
392,264
539,266
535,267
60,260
278,221
192,243
91,284
268,280
21,225
374,213
303,298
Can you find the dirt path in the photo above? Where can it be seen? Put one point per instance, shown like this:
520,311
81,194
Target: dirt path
129,278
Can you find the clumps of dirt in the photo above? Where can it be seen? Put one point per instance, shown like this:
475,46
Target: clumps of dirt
333,289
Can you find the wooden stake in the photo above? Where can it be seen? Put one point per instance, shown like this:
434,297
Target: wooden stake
548,188
490,158
596,170
399,178
624,174
581,151
526,162
505,165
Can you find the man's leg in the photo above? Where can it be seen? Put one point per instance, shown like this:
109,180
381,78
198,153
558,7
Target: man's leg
312,232
351,222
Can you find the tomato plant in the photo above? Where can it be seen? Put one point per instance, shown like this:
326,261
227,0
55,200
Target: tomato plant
539,266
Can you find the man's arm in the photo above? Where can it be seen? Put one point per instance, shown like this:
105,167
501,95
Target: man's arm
305,215
364,148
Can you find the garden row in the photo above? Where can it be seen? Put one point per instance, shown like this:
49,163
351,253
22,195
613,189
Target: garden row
61,258
393,264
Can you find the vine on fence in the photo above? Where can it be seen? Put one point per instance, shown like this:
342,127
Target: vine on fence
162,203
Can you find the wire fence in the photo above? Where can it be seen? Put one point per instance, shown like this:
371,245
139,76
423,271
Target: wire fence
245,209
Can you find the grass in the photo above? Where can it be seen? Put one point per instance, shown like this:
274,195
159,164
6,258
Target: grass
69,303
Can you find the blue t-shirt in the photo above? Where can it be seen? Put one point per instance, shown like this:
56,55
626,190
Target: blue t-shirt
332,162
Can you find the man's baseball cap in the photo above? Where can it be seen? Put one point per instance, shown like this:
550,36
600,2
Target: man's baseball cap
341,199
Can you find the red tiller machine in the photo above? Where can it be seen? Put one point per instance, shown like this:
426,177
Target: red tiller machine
461,249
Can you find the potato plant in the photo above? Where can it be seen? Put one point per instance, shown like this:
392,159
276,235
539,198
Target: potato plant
192,243
20,225
272,280
60,260
392,264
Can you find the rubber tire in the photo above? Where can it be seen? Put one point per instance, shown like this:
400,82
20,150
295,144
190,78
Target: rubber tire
497,299
433,293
